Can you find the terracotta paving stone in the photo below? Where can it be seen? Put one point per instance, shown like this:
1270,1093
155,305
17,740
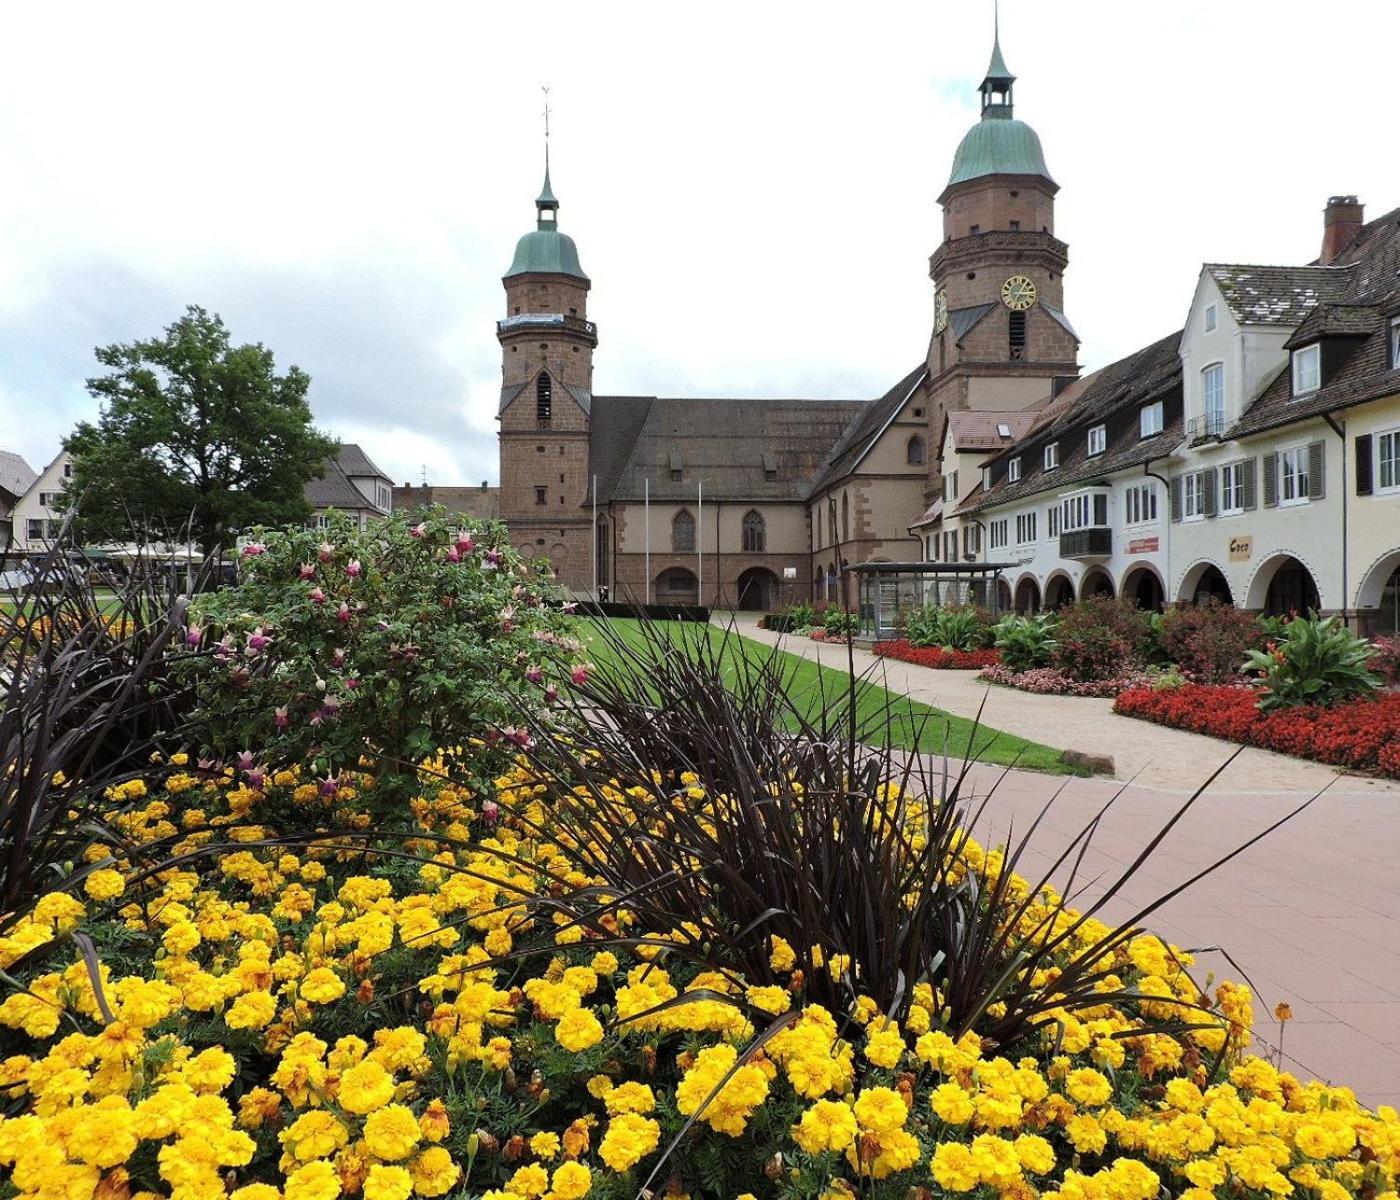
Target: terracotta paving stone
1311,914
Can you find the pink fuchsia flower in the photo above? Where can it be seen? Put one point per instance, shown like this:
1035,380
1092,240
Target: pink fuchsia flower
280,718
253,549
306,570
493,559
453,554
507,619
338,656
570,607
326,552
317,596
551,694
258,641
579,675
534,675
193,636
351,684
418,530
329,787
490,812
352,568
343,613
465,545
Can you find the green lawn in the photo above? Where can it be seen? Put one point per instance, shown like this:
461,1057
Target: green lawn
815,684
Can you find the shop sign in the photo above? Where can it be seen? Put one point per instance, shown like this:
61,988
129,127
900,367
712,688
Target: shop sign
1145,545
1241,548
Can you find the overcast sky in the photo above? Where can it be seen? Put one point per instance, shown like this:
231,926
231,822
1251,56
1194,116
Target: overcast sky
751,185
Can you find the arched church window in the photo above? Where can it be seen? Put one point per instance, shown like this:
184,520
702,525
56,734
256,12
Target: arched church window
753,532
914,451
544,398
683,532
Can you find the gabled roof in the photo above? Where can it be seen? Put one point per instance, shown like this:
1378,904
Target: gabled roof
1262,295
865,430
724,444
1334,320
356,463
581,395
980,429
334,489
16,475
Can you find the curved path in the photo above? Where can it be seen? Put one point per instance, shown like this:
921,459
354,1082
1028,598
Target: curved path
1310,915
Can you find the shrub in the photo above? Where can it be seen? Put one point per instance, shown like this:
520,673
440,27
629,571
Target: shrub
1050,682
1209,641
1025,642
839,624
1385,659
392,641
936,656
1101,638
961,627
1317,661
1362,735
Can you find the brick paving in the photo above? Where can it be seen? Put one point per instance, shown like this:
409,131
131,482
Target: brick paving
1309,916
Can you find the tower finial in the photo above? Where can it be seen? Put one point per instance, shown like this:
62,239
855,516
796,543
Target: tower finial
545,90
546,206
996,87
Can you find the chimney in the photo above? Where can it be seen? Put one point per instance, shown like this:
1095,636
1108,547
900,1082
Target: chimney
1341,222
483,485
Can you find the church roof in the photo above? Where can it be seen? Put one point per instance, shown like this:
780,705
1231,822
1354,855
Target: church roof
998,145
866,430
483,503
545,252
740,449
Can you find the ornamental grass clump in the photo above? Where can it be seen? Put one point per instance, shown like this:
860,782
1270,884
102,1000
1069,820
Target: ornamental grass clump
395,641
1316,661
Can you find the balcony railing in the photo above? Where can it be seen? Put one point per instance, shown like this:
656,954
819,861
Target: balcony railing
547,321
1208,425
1087,543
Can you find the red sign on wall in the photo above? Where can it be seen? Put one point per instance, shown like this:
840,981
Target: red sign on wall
1142,545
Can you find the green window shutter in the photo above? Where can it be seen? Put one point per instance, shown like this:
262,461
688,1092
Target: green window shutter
1271,481
1208,490
1363,465
1247,483
1317,470
1176,498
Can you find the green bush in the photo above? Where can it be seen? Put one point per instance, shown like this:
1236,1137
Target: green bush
1316,661
839,623
964,627
1102,637
801,616
392,642
1209,641
1025,642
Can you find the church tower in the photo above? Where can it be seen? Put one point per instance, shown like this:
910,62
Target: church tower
547,346
1000,339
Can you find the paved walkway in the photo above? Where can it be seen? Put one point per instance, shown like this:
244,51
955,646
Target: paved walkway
1309,916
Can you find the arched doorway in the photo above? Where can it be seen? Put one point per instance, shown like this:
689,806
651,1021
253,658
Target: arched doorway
1059,592
758,590
1143,588
1003,596
1378,598
1203,583
1027,595
1097,582
1287,590
677,585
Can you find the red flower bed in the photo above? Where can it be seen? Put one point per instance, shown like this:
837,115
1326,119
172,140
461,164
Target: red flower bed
825,635
1362,734
936,656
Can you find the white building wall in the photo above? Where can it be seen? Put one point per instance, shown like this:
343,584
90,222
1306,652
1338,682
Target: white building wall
31,506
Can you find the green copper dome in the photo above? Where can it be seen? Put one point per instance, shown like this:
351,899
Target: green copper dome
546,251
998,145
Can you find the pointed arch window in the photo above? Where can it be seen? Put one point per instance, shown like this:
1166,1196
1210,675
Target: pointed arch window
914,451
754,532
845,517
544,398
683,532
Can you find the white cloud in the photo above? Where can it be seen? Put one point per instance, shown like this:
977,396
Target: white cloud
751,186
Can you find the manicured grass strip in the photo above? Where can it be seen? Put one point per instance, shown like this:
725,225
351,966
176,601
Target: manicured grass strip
811,683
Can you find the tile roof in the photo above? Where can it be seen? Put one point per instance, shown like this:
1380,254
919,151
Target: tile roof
1276,295
1334,320
976,428
483,503
933,513
16,475
355,462
865,430
334,489
724,443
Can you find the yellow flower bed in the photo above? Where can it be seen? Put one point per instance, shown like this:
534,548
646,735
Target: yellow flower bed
317,1021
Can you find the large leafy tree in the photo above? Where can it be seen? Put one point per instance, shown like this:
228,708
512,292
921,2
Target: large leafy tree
198,439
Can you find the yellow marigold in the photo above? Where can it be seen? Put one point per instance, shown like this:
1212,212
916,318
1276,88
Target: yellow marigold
629,1139
530,1181
387,1183
578,1029
391,1133
105,884
1086,1134
571,1181
829,1125
953,1167
252,1010
435,1124
1089,1087
256,1191
433,1172
604,963
321,986
315,1134
210,1070
773,1000
544,1145
884,1047
881,1110
951,1103
783,957
365,1087
314,1181
629,1097
1035,1154
104,1134
258,1106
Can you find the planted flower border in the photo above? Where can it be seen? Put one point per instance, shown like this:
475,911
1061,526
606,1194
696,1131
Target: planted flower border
1048,681
939,658
1362,735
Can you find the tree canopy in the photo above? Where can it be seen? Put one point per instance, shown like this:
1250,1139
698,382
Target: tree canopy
197,440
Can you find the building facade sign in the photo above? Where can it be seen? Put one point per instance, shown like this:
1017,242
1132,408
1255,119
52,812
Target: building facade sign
1143,545
1241,548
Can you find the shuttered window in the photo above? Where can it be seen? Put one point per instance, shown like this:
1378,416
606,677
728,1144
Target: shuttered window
1387,460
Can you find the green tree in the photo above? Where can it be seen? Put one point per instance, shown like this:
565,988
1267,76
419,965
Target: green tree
198,439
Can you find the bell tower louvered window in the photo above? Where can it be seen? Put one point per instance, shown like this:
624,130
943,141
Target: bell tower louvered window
544,399
1017,334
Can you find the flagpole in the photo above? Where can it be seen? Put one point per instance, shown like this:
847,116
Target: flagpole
700,542
646,509
595,537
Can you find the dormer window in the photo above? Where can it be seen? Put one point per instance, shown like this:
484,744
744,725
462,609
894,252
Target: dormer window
1052,456
1013,470
1307,369
1210,318
1395,343
1150,419
986,478
1098,440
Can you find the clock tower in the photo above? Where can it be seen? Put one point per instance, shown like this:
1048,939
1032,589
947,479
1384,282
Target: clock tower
1000,339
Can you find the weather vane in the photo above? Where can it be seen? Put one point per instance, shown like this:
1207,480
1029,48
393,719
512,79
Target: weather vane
545,90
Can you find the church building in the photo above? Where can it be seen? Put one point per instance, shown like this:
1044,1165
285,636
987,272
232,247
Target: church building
754,503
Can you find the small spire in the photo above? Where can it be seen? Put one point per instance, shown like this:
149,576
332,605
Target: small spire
996,87
996,69
546,203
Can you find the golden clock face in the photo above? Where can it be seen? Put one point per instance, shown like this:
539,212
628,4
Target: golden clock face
940,312
1018,293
